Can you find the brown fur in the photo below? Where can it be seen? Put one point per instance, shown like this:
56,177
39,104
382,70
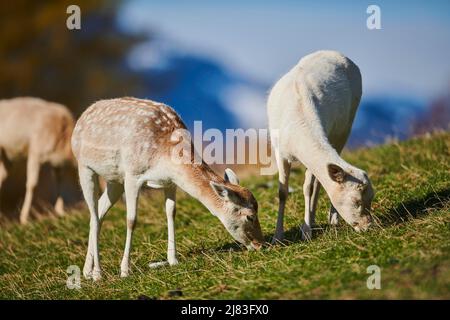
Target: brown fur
129,142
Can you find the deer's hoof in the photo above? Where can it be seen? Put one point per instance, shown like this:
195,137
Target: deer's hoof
306,232
59,207
23,221
333,218
87,274
173,262
96,275
278,238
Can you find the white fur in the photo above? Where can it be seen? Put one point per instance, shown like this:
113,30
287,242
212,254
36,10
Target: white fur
311,111
113,140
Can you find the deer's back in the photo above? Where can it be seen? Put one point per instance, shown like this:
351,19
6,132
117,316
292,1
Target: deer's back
33,123
324,86
124,135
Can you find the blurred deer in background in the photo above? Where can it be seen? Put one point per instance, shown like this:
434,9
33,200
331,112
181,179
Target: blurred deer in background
311,111
39,131
130,142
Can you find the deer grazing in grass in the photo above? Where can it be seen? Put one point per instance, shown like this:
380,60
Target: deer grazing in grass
130,142
39,131
311,111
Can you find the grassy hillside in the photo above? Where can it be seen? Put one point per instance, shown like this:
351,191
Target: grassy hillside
410,242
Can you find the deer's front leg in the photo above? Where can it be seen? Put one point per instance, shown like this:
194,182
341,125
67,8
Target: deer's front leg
311,188
333,216
284,168
131,194
170,194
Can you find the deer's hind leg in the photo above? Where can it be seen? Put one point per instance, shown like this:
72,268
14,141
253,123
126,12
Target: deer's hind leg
112,193
90,186
109,197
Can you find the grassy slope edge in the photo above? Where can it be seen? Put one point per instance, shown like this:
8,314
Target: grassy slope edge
410,242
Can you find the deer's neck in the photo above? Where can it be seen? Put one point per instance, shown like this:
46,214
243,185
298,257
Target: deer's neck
195,180
315,152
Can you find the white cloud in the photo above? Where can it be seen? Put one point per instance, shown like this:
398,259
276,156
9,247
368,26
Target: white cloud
247,104
153,54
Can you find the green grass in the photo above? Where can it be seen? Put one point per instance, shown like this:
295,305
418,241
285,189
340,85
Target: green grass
410,242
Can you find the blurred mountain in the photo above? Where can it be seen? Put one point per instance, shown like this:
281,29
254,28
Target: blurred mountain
199,88
383,117
437,116
43,58
191,85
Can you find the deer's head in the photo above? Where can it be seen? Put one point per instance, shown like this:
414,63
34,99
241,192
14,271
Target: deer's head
238,211
351,194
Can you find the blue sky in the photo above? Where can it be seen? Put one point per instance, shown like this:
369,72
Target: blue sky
263,39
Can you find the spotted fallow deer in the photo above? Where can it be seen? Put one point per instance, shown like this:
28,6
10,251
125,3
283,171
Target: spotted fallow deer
311,111
130,142
39,131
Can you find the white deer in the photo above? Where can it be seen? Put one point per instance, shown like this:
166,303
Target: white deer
39,131
311,111
130,142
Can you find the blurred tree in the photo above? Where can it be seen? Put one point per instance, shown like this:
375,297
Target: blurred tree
40,56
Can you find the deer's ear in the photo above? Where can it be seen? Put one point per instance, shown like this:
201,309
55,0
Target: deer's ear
230,176
219,189
336,173
223,192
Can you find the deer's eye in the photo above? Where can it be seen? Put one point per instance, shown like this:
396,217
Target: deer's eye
357,204
251,218
362,187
